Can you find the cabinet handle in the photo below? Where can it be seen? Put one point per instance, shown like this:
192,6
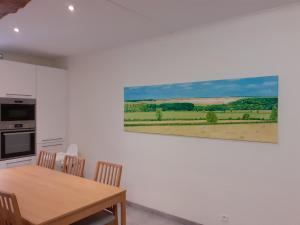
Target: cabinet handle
52,139
23,95
45,146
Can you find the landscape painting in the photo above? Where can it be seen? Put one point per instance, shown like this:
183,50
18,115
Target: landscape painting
238,109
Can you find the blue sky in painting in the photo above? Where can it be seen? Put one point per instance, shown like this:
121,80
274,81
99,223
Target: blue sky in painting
266,86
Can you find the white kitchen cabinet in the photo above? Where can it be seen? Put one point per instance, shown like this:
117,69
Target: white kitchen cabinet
23,161
2,165
53,147
18,80
51,107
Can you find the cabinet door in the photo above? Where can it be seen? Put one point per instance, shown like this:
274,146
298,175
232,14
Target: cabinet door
51,105
2,165
17,80
23,162
53,147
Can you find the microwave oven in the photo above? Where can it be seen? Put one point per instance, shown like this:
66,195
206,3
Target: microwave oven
17,110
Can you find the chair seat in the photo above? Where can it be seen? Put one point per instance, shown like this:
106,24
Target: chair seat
102,218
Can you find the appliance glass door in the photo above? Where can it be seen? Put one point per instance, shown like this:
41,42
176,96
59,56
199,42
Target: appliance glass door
17,143
17,112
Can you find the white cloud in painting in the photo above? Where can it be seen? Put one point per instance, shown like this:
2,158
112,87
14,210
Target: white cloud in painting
186,85
206,83
269,83
164,87
227,87
252,86
265,92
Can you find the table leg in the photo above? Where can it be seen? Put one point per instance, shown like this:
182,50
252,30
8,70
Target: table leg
123,210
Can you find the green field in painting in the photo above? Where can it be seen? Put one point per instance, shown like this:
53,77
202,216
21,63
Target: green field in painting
252,119
193,115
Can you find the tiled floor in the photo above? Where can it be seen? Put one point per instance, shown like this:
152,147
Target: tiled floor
137,216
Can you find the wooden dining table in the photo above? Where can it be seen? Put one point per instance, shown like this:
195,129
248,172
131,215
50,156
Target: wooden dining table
49,197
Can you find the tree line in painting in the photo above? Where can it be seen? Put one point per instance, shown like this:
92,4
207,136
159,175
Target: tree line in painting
245,109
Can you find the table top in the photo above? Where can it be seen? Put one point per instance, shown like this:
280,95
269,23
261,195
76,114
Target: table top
45,195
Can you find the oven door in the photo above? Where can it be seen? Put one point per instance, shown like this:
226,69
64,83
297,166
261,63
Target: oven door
16,143
17,112
13,109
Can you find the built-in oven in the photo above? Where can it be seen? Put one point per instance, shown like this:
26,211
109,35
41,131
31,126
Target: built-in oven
16,143
17,127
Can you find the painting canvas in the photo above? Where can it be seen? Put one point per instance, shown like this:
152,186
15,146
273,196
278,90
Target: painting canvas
237,109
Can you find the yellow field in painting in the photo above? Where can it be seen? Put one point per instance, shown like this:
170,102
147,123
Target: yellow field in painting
260,132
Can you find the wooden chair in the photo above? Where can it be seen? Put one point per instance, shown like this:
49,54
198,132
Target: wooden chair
9,210
110,174
73,165
46,159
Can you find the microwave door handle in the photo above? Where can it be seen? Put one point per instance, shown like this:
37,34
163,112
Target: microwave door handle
23,95
29,132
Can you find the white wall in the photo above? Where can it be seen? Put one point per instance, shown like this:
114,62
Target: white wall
198,179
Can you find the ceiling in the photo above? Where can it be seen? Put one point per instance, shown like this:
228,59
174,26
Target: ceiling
47,28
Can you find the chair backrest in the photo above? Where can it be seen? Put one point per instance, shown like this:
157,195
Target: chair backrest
108,173
73,165
46,159
72,150
9,210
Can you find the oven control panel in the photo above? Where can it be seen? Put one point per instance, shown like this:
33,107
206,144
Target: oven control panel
17,125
